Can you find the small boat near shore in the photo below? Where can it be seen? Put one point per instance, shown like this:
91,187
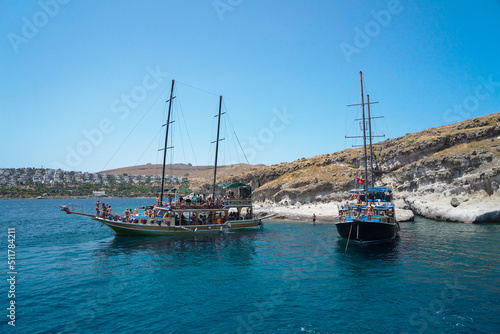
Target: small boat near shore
228,209
369,214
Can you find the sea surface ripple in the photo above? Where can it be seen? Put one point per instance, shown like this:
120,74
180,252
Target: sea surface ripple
74,276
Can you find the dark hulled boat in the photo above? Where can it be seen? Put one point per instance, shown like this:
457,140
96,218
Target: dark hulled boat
368,215
371,220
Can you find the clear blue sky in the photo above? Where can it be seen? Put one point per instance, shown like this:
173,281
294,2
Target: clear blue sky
83,83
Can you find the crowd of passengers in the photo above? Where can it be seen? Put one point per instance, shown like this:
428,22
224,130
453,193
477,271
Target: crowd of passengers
362,208
104,211
184,219
198,201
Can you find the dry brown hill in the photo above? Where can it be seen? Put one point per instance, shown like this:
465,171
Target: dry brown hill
197,175
459,158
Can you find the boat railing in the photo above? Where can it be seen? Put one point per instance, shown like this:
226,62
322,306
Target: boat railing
172,220
183,206
219,205
378,213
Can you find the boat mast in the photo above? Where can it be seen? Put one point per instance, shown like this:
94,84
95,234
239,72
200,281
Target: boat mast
166,138
217,146
364,133
370,136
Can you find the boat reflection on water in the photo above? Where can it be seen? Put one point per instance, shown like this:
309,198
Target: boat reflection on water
383,250
239,246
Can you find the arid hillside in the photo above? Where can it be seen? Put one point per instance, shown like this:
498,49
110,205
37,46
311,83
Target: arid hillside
459,158
197,175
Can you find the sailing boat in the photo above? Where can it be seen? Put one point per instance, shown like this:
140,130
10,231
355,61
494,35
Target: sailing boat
371,217
218,214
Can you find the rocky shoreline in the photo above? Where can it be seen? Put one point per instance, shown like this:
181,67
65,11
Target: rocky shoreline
460,209
326,212
477,209
448,173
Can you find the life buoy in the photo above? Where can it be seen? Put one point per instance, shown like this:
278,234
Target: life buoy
354,196
183,206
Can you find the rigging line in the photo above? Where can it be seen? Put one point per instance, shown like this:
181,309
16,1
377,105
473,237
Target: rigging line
182,141
241,148
227,133
212,135
205,91
157,135
233,154
187,132
140,120
160,141
172,142
227,144
232,128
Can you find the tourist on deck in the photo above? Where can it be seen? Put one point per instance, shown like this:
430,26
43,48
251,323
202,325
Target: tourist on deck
359,205
390,212
103,211
369,212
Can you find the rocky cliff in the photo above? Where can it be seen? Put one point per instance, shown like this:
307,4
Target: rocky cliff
425,169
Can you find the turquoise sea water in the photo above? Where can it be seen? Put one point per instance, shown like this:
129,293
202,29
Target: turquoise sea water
74,276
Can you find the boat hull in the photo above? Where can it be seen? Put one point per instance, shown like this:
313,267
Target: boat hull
138,229
367,231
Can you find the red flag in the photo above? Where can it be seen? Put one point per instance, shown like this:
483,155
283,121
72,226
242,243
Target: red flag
360,181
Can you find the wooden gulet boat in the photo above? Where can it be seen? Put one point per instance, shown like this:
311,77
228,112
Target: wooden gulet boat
368,215
217,215
233,215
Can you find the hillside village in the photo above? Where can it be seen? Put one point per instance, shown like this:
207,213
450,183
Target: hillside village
12,177
33,182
